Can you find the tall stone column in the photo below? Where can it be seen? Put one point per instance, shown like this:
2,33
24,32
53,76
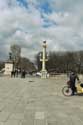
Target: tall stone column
44,59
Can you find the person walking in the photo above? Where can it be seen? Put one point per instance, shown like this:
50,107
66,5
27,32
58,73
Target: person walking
23,74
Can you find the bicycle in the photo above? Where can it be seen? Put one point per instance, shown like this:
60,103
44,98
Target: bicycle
66,90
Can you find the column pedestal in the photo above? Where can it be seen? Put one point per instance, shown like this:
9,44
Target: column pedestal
43,74
8,68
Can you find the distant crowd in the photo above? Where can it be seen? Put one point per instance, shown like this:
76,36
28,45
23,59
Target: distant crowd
16,73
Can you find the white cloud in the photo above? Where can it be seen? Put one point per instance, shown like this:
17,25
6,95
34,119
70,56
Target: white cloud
25,26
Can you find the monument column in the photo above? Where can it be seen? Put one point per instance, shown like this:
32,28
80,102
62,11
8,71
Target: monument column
44,59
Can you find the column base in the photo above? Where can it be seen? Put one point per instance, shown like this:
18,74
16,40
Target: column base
43,74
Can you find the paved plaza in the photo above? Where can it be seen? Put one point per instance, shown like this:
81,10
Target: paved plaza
36,101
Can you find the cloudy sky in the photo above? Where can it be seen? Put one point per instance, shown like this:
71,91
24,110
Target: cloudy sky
29,22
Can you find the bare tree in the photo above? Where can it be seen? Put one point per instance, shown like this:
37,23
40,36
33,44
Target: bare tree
16,53
37,61
63,61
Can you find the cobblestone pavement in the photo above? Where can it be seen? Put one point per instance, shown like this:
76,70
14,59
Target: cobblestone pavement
35,101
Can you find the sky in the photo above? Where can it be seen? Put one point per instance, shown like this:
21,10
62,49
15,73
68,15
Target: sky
30,22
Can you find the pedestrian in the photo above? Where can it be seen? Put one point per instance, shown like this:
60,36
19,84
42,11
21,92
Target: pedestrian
13,73
16,72
73,77
23,74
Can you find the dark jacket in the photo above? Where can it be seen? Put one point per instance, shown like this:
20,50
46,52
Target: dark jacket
73,78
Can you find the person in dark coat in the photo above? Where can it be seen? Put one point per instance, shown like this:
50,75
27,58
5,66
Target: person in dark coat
73,78
16,73
13,73
23,74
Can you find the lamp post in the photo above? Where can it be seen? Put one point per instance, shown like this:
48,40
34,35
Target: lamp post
43,59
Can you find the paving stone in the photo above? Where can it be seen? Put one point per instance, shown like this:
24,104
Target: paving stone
2,123
27,122
12,122
40,122
17,116
19,108
10,107
52,123
38,103
29,114
39,115
4,116
1,106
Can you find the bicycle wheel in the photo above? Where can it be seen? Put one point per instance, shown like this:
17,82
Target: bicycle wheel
66,91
